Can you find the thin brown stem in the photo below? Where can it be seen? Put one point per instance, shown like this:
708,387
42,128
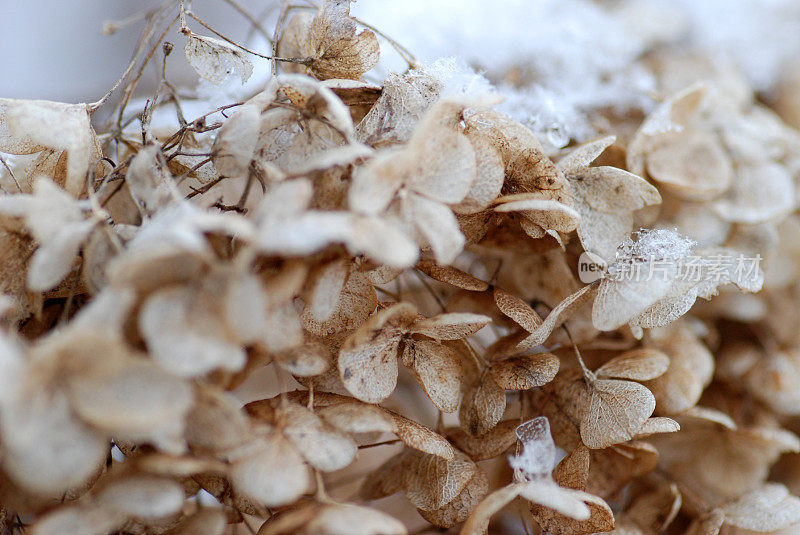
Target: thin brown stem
303,61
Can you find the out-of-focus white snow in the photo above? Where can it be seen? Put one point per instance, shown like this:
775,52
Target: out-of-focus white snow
571,56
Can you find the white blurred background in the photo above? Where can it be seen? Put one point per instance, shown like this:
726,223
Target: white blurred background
54,49
577,55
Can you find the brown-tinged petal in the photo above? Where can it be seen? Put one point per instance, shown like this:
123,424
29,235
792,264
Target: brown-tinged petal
318,442
616,412
369,371
482,406
450,326
452,276
488,445
525,371
558,316
638,364
438,369
517,309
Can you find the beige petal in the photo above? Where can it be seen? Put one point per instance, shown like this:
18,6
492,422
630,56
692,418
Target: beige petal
78,520
348,519
600,516
271,472
149,181
144,497
438,369
358,418
767,508
692,165
45,448
458,509
482,406
452,276
617,410
353,304
558,316
54,259
183,337
437,224
638,364
478,521
489,176
134,401
546,213
517,309
28,126
451,326
369,371
583,155
568,502
524,372
321,444
236,141
489,445
431,482
214,59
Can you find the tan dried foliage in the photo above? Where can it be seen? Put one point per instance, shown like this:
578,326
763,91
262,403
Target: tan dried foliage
169,279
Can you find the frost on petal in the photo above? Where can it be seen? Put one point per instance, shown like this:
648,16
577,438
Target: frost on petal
643,273
215,60
538,455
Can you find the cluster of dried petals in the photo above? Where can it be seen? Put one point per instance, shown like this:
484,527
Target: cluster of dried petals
215,312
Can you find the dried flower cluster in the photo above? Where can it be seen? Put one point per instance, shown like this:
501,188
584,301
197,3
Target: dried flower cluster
340,307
